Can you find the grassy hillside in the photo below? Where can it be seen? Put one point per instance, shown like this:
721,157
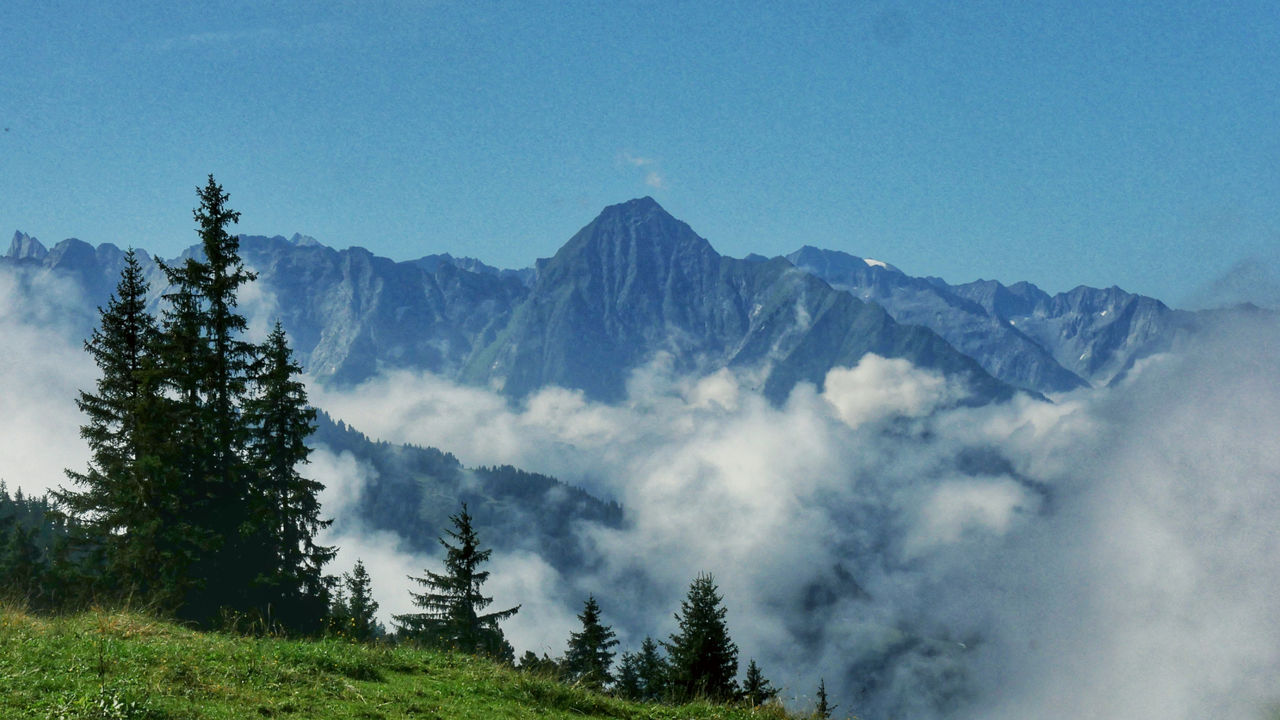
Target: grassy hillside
126,666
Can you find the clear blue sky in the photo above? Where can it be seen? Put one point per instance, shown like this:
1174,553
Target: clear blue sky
1057,141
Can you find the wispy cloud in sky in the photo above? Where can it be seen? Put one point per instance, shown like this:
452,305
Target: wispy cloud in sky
653,176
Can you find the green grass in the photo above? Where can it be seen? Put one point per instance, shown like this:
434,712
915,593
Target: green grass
127,666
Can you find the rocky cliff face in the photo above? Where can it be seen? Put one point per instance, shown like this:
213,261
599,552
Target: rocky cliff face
352,314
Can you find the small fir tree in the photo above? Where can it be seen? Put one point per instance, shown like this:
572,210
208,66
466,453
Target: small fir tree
824,708
702,658
756,689
628,685
544,666
654,671
452,603
589,657
360,605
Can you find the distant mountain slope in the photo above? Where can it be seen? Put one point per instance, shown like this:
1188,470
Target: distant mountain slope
412,491
352,314
1096,333
1018,333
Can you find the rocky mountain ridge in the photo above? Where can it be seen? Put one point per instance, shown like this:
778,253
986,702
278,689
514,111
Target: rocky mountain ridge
637,284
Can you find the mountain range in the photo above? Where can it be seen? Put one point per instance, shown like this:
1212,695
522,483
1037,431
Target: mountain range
636,285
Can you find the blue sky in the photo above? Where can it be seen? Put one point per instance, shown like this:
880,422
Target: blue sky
1061,142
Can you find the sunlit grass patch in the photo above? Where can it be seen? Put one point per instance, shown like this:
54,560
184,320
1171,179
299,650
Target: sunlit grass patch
124,665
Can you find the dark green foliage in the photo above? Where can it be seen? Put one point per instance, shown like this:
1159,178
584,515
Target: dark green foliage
589,656
627,684
643,675
654,671
22,562
38,565
544,666
193,496
452,603
756,690
702,658
825,708
206,369
353,608
118,500
286,511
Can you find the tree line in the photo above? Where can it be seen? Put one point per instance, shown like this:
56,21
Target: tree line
193,503
699,660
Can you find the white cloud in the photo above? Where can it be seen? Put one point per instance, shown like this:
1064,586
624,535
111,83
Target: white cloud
879,388
42,368
652,174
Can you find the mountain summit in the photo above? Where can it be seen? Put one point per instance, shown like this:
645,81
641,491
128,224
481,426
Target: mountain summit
636,284
24,247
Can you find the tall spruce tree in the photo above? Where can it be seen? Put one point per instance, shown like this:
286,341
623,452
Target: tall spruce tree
702,658
206,367
193,492
119,498
590,657
452,603
286,510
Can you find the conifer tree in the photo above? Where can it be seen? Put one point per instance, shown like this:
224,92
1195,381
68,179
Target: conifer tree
286,511
452,603
756,690
589,656
205,367
117,498
628,685
359,603
208,367
702,658
655,673
824,708
193,493
544,666
20,564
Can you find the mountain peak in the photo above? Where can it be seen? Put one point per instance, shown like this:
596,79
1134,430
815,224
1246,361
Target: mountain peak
24,246
637,208
635,232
